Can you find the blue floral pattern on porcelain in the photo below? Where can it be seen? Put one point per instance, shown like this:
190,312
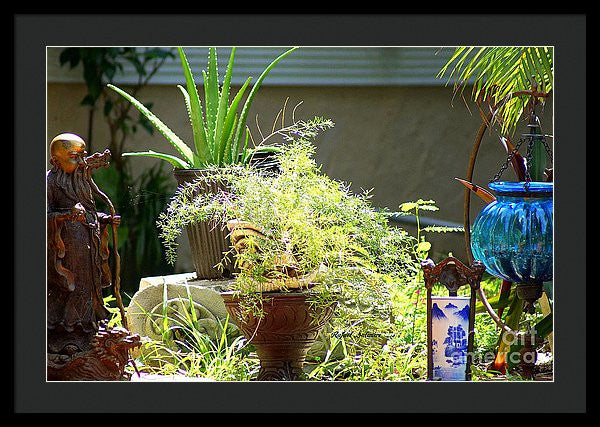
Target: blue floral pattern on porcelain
450,333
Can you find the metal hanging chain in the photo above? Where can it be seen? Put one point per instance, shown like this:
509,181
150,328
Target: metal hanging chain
508,160
547,148
540,136
529,159
531,139
544,141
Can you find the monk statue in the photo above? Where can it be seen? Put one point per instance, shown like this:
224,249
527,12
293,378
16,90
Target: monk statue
78,268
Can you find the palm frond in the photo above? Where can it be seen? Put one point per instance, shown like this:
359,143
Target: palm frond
497,72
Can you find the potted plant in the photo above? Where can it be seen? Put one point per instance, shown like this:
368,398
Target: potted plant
303,242
220,138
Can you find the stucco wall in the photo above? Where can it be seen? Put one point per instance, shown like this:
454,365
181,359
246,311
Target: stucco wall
403,142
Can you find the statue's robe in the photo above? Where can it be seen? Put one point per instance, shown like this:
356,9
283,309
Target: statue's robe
77,262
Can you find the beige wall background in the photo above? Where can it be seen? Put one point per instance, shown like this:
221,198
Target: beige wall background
405,143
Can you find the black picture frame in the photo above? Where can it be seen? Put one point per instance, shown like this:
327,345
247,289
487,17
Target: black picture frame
33,32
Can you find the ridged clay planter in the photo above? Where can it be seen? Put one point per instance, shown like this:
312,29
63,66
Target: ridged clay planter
208,240
285,333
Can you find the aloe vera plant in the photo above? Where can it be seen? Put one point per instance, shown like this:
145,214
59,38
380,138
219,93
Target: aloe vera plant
219,130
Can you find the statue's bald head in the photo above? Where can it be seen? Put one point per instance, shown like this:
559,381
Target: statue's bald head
67,151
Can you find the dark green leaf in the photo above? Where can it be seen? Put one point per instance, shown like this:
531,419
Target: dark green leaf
70,55
108,105
88,100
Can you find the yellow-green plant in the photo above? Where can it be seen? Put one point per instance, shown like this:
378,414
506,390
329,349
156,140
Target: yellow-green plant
218,130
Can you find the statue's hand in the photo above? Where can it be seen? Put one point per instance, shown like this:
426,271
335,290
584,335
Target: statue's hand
116,219
78,213
105,218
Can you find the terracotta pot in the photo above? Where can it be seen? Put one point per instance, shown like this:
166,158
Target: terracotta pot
208,240
285,333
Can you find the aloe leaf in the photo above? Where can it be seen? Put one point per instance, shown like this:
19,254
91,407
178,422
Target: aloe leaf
484,195
245,149
173,139
228,159
223,107
175,161
229,125
213,75
194,110
248,154
267,149
242,122
211,97
197,162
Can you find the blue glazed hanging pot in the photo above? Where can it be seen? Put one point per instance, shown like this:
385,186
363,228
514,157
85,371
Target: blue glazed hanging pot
512,235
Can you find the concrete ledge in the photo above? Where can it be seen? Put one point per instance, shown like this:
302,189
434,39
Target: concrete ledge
218,285
170,279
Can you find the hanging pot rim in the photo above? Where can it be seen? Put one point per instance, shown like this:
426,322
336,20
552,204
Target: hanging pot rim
522,188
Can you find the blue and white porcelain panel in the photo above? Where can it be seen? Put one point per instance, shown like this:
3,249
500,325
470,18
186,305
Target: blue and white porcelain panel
450,334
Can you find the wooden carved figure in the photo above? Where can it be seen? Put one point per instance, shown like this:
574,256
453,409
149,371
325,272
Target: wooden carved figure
78,268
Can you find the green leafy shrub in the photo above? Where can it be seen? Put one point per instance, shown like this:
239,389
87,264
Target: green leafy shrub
316,222
306,216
